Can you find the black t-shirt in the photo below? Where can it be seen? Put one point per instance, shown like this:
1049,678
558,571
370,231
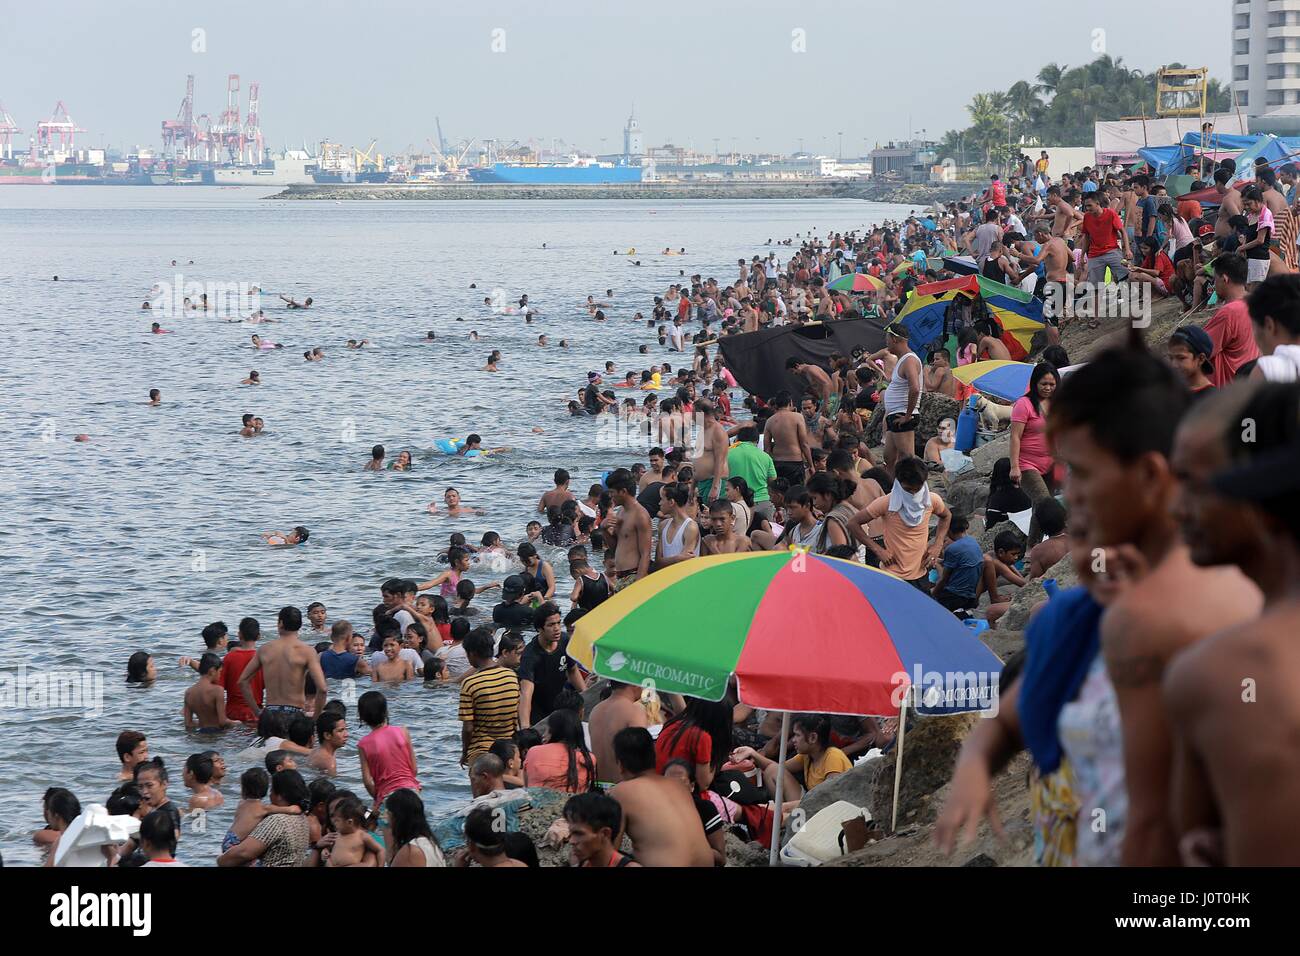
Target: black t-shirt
548,672
649,498
591,398
512,615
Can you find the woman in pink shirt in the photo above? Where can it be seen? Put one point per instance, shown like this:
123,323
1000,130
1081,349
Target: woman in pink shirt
563,762
387,757
1032,465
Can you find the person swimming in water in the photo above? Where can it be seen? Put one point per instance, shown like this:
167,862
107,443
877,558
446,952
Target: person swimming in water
376,462
279,539
542,340
294,304
403,462
475,443
261,343
253,378
451,497
491,365
247,430
157,329
155,397
358,343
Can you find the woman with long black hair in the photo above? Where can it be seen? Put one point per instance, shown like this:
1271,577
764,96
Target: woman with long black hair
413,841
1032,466
563,762
701,733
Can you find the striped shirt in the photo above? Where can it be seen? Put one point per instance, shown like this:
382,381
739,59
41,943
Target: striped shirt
489,698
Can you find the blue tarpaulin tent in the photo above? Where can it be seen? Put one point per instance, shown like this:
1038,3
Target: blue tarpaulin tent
1177,159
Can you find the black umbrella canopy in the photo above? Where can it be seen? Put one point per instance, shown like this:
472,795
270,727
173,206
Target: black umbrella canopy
757,359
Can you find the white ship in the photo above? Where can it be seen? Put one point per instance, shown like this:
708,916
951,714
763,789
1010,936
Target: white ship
294,168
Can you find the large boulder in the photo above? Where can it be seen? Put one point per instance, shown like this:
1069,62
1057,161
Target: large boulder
930,749
853,786
965,497
1032,594
987,454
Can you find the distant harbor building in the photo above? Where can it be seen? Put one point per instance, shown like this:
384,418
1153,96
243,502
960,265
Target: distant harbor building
910,162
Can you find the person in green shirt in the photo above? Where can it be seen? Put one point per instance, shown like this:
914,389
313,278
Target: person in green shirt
746,460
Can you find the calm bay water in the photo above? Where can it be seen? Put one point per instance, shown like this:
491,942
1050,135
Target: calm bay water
138,538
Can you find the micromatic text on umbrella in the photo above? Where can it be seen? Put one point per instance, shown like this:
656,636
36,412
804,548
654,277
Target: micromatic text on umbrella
949,690
660,672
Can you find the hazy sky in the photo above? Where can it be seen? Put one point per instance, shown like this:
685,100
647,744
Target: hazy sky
570,69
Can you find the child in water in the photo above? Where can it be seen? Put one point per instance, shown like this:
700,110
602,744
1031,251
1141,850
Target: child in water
198,774
394,667
353,846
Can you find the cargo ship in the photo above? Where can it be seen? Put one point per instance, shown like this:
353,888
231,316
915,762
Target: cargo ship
65,173
577,173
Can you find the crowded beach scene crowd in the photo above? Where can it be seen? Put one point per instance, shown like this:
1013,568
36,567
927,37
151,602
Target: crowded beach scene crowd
1156,467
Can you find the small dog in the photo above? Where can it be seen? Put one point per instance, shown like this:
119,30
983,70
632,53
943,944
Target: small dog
993,417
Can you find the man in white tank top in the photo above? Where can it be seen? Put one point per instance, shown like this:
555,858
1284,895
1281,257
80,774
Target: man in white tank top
679,535
902,398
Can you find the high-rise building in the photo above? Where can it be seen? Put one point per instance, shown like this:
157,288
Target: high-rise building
1265,54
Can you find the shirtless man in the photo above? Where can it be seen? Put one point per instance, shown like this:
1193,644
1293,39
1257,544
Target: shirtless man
1054,256
205,701
785,438
285,663
1065,218
247,428
990,348
332,734
621,709
632,555
819,383
558,495
294,304
376,462
1233,776
656,472
710,457
938,375
659,816
1229,203
1122,486
724,539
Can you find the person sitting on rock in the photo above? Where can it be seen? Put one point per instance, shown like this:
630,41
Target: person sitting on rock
999,563
814,762
1051,519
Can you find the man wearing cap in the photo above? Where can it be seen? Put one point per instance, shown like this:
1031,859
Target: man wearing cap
512,611
1189,351
592,400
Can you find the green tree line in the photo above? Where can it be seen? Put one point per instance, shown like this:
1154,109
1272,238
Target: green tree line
1060,108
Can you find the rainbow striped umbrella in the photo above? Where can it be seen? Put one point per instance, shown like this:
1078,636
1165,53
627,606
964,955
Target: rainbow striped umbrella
856,282
998,377
801,632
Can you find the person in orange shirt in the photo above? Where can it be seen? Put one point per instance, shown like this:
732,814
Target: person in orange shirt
906,511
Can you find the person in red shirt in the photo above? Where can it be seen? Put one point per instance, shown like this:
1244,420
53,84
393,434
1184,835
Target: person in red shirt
997,191
1157,269
232,666
1229,328
700,734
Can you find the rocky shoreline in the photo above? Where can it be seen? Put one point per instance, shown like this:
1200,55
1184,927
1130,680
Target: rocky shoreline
919,195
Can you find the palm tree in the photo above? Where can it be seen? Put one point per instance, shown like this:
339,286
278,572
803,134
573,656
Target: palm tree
1049,79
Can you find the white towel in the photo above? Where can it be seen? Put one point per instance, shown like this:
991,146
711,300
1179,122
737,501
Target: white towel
911,508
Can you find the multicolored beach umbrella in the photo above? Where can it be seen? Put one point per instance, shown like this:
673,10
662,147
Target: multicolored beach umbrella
801,632
1020,314
999,378
856,282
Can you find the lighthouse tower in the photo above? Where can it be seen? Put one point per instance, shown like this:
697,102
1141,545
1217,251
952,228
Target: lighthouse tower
633,144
